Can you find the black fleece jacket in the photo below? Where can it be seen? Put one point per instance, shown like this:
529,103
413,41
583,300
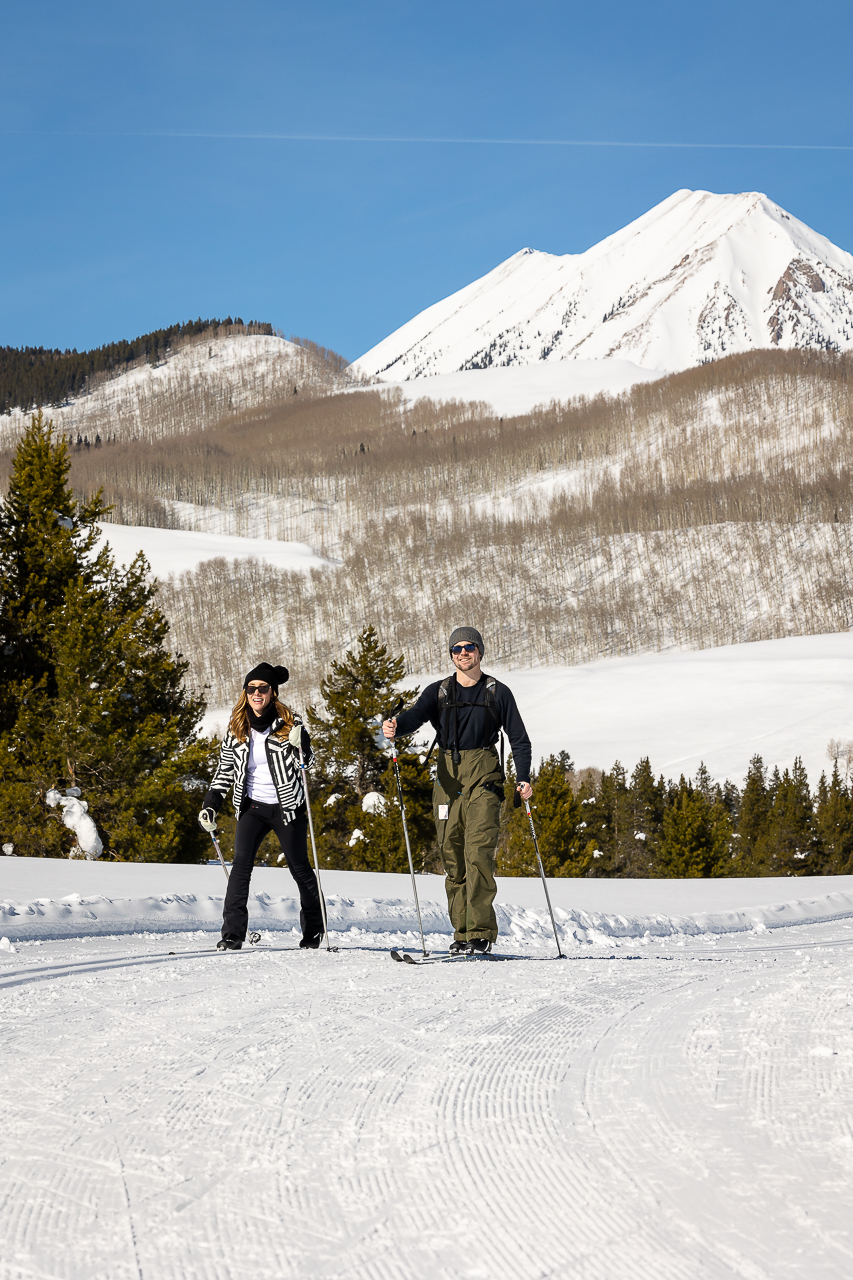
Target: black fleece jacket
477,725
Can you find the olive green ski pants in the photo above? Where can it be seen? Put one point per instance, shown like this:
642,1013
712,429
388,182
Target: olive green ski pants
467,801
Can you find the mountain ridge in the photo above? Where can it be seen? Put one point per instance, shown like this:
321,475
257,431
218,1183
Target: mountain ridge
33,376
697,277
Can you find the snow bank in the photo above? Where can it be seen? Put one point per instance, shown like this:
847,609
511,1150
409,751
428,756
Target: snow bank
114,899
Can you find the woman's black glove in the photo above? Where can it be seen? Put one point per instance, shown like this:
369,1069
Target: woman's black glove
207,820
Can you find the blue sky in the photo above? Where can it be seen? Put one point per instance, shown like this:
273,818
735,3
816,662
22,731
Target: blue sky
128,202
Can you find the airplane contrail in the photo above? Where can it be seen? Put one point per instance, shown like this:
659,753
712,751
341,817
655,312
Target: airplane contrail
414,140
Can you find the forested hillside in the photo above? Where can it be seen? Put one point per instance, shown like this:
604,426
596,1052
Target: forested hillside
708,508
33,376
200,381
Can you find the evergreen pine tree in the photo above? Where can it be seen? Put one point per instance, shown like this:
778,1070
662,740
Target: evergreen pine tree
90,695
616,833
834,823
557,814
790,841
384,847
608,837
354,760
46,541
754,816
648,802
697,835
732,799
358,694
704,783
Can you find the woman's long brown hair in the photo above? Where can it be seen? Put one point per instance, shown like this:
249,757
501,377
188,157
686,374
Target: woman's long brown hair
239,722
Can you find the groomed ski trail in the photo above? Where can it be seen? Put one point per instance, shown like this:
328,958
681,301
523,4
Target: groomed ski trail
332,1116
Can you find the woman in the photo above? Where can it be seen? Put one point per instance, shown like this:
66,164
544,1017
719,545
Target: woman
260,760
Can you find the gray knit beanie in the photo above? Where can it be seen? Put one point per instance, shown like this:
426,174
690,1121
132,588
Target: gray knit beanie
466,635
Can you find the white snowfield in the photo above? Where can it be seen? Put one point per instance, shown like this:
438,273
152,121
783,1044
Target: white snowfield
179,550
517,389
672,1105
697,277
774,698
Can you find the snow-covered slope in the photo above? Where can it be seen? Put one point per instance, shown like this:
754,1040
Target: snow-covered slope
698,277
666,1111
513,390
180,550
197,385
277,1113
774,698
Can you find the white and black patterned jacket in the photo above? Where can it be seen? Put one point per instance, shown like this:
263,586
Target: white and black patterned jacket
283,760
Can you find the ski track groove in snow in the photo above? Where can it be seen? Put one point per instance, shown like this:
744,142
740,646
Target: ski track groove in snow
45,972
710,1187
343,1117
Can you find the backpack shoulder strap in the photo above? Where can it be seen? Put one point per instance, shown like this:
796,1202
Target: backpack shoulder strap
443,690
490,700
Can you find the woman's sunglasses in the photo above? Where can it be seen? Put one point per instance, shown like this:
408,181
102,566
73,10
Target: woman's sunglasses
258,688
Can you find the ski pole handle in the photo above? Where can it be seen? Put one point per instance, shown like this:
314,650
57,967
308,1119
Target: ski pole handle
398,706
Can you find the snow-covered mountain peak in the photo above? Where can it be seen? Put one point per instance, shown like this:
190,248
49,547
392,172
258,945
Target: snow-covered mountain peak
697,277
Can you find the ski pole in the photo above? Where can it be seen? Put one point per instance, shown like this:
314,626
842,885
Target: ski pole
219,853
406,829
253,937
303,766
526,804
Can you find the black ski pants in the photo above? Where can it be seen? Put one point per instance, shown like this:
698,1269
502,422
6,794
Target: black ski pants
253,824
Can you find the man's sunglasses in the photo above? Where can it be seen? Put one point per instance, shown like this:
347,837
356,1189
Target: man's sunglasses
258,688
463,648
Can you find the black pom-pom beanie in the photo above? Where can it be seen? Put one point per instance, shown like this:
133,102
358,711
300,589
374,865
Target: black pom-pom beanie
275,676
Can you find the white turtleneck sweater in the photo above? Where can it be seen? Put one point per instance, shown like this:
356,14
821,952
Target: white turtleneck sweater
259,783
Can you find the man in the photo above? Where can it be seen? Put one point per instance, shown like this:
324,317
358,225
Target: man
467,711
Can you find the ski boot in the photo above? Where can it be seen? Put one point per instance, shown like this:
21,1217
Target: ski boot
458,947
229,944
479,947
